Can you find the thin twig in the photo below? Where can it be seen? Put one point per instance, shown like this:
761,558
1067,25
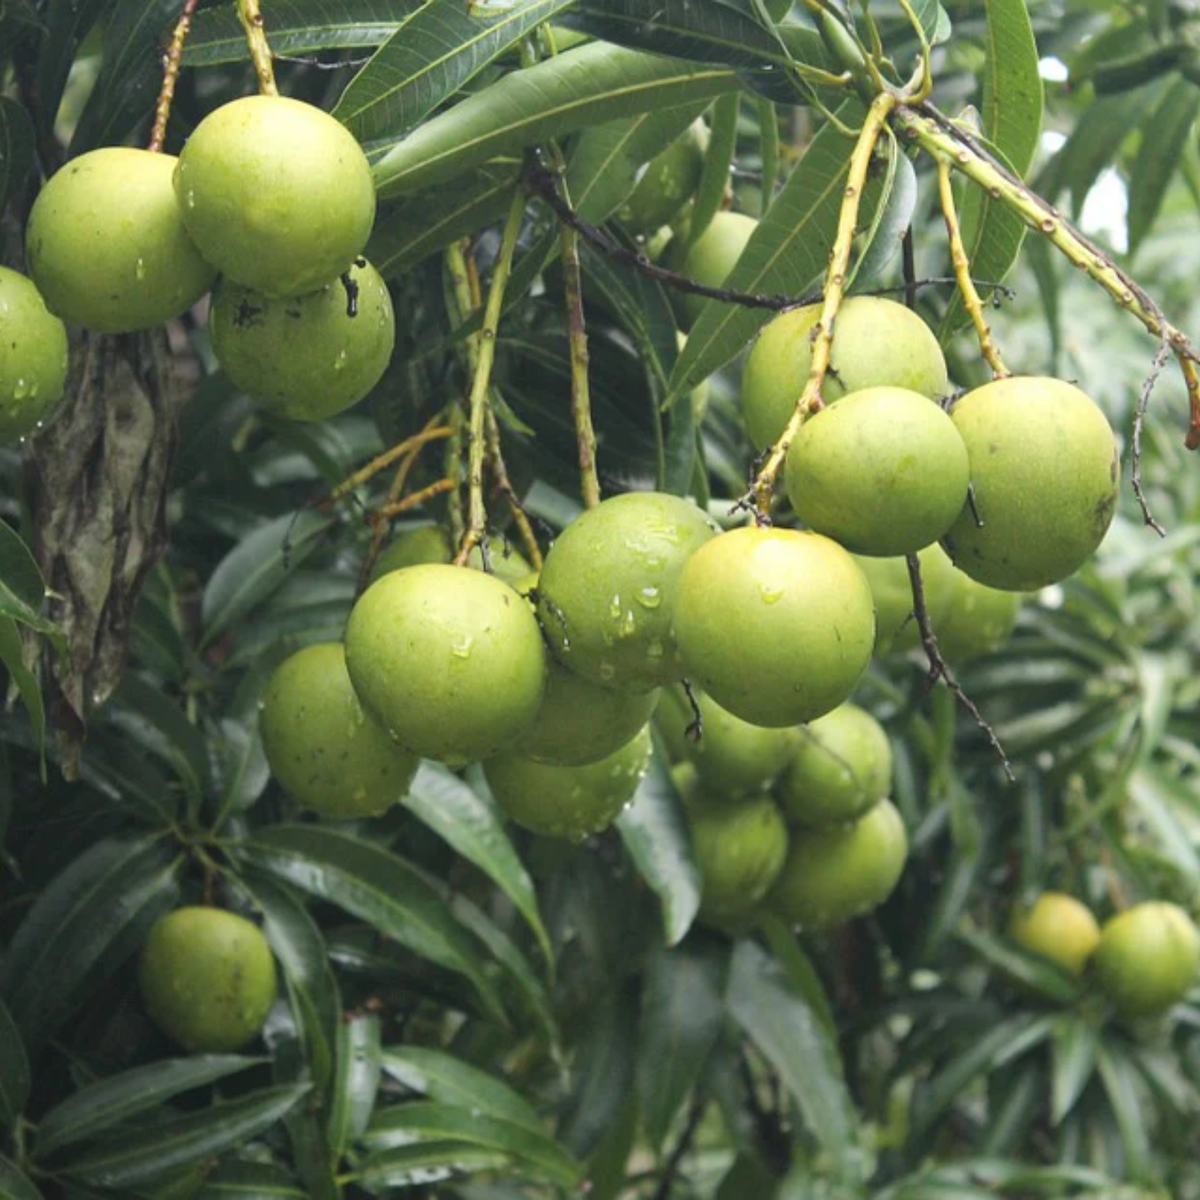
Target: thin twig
909,257
962,274
499,471
478,400
1139,419
671,1168
431,433
416,499
171,61
939,669
251,18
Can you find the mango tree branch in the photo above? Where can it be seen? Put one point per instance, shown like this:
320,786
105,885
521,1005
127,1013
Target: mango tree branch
251,17
478,401
171,61
962,273
940,137
835,284
499,470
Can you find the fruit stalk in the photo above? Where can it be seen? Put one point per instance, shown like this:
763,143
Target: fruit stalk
499,470
938,136
962,273
171,62
478,401
835,286
251,17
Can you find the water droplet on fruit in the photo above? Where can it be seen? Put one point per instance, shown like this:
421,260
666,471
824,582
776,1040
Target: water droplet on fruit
628,624
649,597
771,593
21,390
339,363
190,198
461,648
607,671
614,608
139,268
655,649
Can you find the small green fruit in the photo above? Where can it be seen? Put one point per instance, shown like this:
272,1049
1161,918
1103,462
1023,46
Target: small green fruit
565,801
740,850
207,978
449,660
1057,927
607,589
1147,958
33,357
305,357
712,256
876,343
581,722
896,628
276,193
667,183
733,757
776,625
1044,476
431,544
325,751
841,768
841,872
978,620
883,471
106,245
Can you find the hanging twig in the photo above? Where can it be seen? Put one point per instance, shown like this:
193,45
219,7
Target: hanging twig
1139,419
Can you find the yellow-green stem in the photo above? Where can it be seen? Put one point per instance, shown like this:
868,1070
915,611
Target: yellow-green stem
478,401
835,285
962,273
964,155
171,61
260,53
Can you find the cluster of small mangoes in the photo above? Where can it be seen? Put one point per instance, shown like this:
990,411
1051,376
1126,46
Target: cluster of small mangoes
1144,959
269,205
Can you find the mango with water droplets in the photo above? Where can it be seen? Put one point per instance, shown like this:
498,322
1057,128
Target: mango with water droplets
1044,476
450,661
777,625
740,850
320,744
568,801
106,245
276,193
207,977
305,357
33,357
607,589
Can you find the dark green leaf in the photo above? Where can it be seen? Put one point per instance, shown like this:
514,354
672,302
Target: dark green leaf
1128,1107
138,1157
113,1101
655,832
798,970
582,87
82,927
1163,137
718,158
67,23
1072,1061
892,218
256,567
14,1071
440,47
425,1163
796,1044
356,1080
21,586
1029,970
295,27
25,680
683,1008
250,1181
427,1121
375,886
447,1079
452,810
14,1185
16,149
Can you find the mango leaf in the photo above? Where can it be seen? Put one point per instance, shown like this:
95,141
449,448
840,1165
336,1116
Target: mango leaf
295,27
16,149
452,810
429,1121
1072,1062
22,590
683,1010
1128,1106
786,254
82,927
256,567
1012,121
238,1180
796,1044
424,1163
606,159
1029,970
655,832
594,83
28,687
1164,136
14,1185
67,23
882,241
798,970
356,1080
450,1080
113,1101
126,1159
376,886
435,51
14,1071
418,226
718,158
